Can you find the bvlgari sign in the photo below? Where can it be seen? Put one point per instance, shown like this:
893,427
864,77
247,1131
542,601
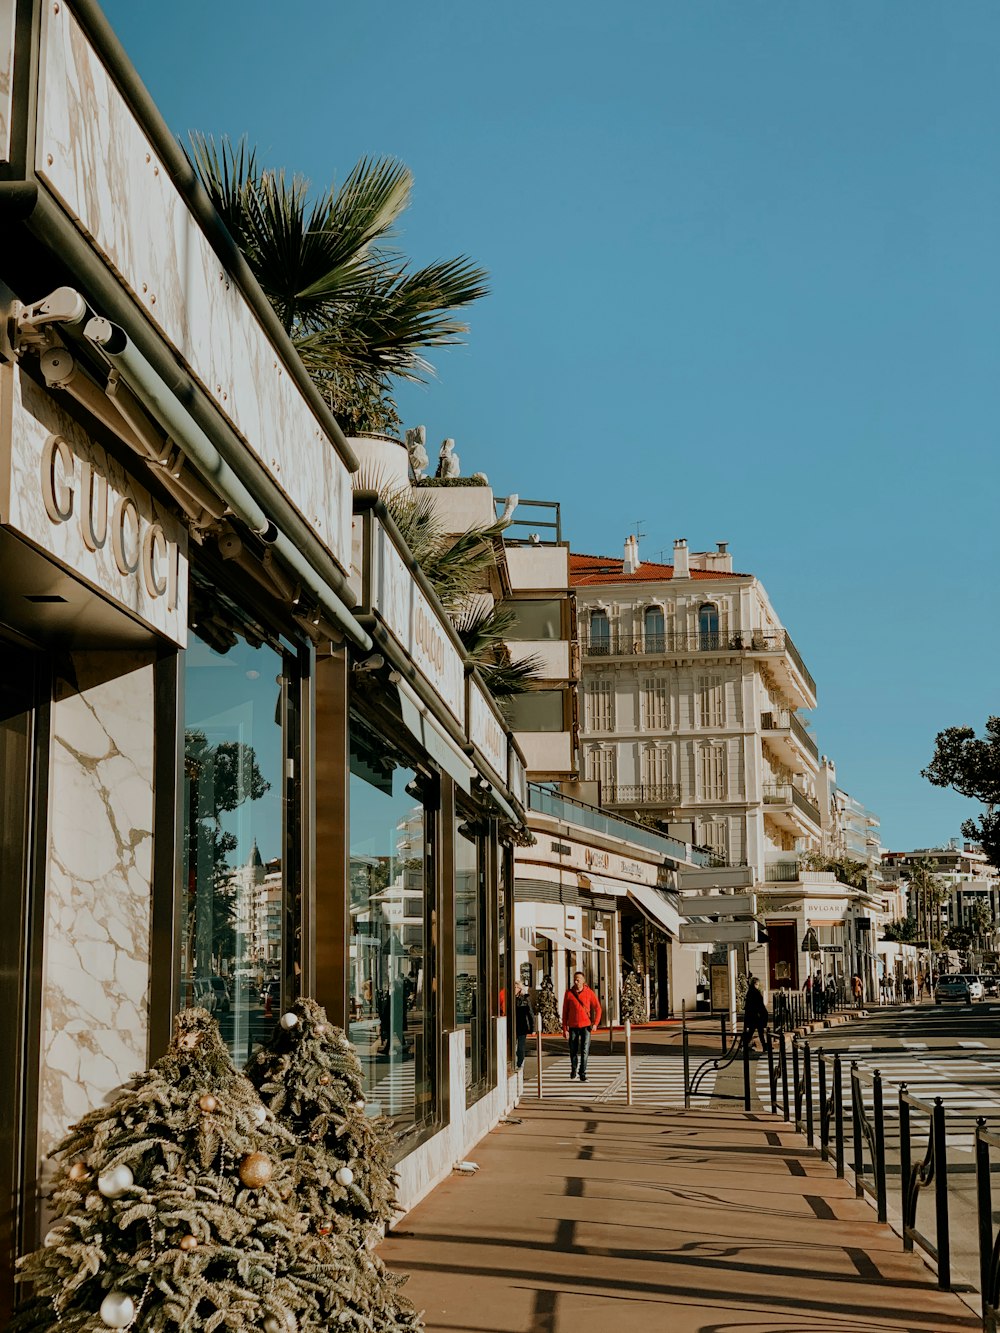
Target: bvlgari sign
69,497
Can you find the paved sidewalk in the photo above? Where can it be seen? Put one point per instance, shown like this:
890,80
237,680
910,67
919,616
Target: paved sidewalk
587,1218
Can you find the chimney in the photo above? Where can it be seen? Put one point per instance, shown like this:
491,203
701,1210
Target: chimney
681,570
630,563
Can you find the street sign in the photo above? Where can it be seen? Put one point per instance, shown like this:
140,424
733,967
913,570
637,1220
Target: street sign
704,878
831,948
717,904
719,932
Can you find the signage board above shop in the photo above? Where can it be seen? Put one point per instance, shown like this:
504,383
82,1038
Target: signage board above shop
486,730
66,495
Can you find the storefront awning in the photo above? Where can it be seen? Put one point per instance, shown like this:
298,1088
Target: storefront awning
439,745
656,908
562,941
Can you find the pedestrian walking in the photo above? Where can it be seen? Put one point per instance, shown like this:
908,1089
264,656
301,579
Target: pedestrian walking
581,1014
524,1020
857,990
754,1016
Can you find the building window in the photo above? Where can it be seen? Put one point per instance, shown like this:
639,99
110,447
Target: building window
715,834
239,918
538,710
391,954
600,633
655,767
599,713
712,772
655,704
471,1009
711,702
654,638
708,627
534,620
601,766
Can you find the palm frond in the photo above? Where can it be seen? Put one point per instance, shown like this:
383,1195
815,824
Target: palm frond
507,680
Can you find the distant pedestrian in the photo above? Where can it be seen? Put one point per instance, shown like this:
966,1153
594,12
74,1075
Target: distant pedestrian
524,1020
857,991
581,1014
754,1016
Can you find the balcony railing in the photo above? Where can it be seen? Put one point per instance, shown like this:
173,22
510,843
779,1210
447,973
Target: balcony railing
782,720
645,793
660,645
784,793
572,811
796,657
781,872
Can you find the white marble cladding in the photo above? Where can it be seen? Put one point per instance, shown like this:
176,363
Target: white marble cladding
97,898
434,1159
70,498
94,156
6,74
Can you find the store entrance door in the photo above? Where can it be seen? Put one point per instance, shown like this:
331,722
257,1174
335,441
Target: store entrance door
783,960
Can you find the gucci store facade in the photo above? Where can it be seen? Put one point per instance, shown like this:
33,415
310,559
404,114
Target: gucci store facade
242,756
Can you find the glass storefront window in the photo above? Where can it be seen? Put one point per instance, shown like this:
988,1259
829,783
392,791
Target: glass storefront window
471,1009
393,931
239,826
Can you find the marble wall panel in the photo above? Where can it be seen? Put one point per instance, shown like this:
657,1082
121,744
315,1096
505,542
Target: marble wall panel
98,893
95,157
6,74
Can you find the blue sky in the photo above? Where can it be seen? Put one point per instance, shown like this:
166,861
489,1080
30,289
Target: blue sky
745,286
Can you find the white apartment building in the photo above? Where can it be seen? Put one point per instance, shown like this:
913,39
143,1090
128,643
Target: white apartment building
692,693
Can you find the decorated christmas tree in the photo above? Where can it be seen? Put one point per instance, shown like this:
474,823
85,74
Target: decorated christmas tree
310,1079
633,999
548,1006
175,1210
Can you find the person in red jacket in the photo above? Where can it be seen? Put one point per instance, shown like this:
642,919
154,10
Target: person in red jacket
581,1014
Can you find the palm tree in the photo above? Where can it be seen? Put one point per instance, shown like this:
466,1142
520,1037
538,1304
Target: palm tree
357,315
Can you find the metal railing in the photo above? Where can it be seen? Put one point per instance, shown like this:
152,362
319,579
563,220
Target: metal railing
783,720
989,1242
915,1176
643,793
786,793
734,1042
660,645
869,1131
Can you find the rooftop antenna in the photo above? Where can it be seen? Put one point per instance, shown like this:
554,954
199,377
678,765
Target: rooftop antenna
639,534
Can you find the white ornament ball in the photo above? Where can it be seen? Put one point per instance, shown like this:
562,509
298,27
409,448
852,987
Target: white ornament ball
53,1237
273,1325
360,1104
289,1020
117,1309
112,1184
344,1176
259,1115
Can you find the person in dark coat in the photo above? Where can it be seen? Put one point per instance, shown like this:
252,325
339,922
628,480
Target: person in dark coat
524,1020
754,1016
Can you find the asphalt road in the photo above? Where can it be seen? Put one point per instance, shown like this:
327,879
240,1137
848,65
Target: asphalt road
947,1051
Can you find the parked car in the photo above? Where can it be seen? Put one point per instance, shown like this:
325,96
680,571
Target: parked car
954,987
222,997
991,981
977,990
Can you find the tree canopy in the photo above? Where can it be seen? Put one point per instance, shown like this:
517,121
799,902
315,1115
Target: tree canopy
970,765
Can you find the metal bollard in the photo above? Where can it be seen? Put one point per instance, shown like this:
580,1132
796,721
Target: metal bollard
746,1069
880,1184
772,1081
809,1093
783,1061
722,1019
538,1051
824,1115
838,1110
685,1058
941,1196
796,1086
628,1063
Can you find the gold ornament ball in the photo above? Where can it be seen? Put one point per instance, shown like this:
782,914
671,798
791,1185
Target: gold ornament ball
314,1138
208,1103
78,1171
256,1169
188,1242
324,1078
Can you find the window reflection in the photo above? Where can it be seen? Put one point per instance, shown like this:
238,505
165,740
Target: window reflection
392,931
232,944
470,953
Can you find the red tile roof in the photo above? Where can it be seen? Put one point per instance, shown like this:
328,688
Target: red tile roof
590,569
